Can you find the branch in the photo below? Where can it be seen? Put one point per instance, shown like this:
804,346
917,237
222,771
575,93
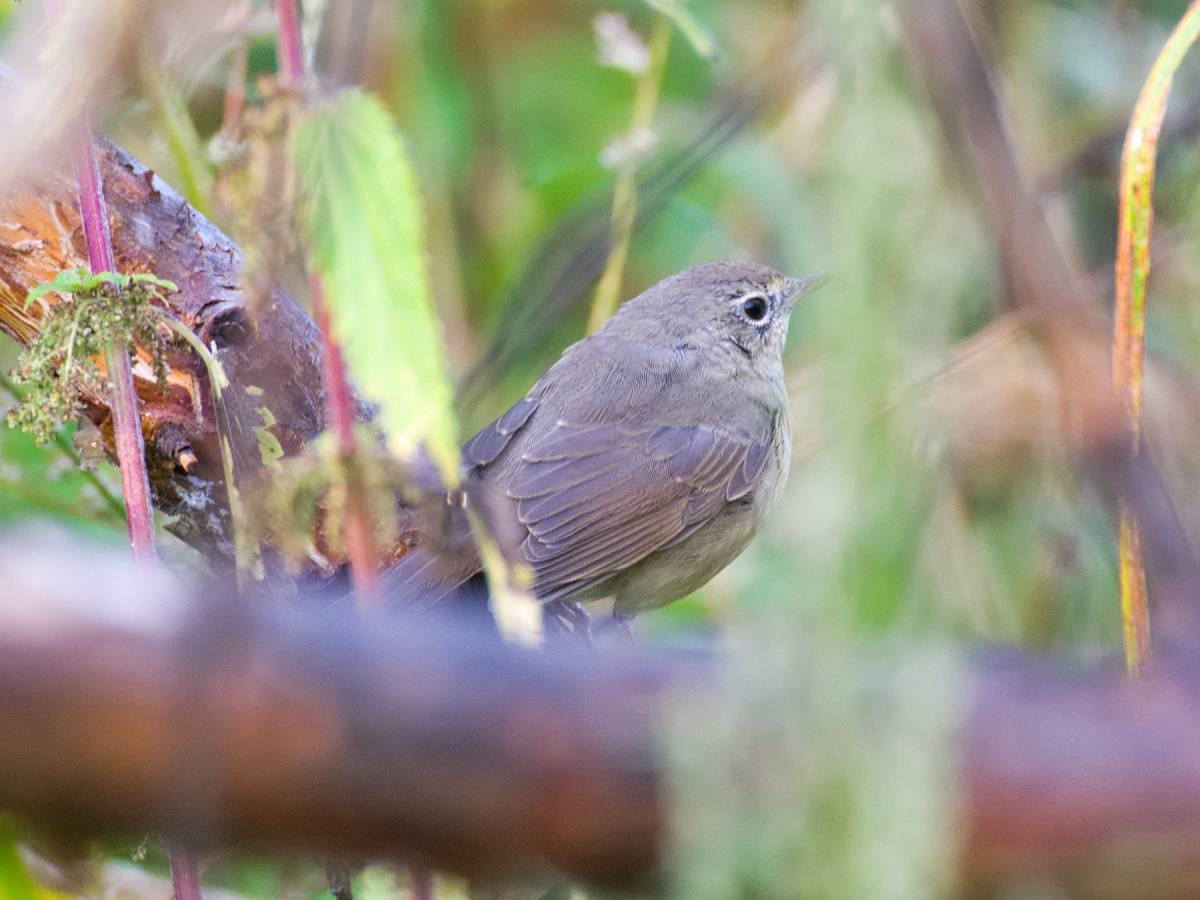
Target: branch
271,345
251,726
257,728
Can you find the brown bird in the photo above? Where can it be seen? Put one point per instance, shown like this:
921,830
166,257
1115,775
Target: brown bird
644,461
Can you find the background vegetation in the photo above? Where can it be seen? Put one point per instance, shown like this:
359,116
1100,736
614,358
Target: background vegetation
931,492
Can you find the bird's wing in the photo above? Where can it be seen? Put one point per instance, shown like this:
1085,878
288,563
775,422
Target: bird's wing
428,575
595,499
592,499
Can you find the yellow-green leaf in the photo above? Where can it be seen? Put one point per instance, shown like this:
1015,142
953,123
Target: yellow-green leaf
1132,274
361,214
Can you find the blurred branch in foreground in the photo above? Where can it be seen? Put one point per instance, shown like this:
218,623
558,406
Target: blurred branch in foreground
127,704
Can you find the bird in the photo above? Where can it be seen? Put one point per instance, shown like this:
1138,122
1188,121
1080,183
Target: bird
643,461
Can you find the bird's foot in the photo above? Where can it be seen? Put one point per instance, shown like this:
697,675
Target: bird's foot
570,619
618,629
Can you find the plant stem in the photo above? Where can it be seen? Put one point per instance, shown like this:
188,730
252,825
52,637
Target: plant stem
1136,220
235,89
127,423
624,210
245,545
360,535
185,876
183,141
291,46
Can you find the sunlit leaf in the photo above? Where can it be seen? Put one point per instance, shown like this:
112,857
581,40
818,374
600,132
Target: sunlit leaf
362,218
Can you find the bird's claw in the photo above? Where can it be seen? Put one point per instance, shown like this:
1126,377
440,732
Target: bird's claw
568,618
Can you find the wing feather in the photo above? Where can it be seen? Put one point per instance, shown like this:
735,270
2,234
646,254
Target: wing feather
600,484
486,446
596,499
745,478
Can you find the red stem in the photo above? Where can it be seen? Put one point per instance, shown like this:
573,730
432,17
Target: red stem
185,875
127,422
291,47
360,536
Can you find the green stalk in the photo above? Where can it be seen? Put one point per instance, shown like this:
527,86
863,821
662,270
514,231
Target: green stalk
245,547
624,209
183,141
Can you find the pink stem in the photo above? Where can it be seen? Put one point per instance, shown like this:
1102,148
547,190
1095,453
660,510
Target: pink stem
185,876
291,48
422,883
360,536
127,422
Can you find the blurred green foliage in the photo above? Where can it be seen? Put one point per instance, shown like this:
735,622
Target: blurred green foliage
930,494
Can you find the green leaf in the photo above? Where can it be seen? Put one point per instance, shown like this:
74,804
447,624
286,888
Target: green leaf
82,281
696,34
149,279
68,281
361,214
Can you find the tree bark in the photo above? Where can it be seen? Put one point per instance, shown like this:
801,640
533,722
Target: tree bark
273,347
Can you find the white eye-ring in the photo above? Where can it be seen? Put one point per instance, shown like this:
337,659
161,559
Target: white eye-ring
755,307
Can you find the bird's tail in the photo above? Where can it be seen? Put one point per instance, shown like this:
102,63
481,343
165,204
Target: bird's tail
424,578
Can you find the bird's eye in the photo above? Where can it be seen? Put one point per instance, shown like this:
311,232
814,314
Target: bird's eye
755,308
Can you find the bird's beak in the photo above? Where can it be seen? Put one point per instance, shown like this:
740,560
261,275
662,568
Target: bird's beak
797,286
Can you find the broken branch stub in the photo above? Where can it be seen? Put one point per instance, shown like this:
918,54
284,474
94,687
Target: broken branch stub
271,347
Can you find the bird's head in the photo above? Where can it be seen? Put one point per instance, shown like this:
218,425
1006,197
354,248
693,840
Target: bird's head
729,306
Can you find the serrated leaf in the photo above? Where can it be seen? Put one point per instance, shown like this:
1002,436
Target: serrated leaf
83,281
68,281
361,214
689,26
